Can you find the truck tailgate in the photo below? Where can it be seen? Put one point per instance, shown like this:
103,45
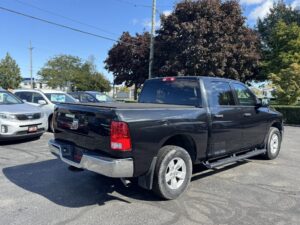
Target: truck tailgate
82,126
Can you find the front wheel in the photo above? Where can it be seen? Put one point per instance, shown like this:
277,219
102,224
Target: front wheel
51,125
273,143
173,172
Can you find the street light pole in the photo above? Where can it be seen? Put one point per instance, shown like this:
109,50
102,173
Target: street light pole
152,38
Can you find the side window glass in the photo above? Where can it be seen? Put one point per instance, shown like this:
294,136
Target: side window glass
27,96
244,95
75,95
37,97
220,94
87,98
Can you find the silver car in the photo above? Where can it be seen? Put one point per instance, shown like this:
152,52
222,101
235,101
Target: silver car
45,99
19,120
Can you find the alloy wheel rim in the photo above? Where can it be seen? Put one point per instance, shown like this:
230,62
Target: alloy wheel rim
274,143
175,173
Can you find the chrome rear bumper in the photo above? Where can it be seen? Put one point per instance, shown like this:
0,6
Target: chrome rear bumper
119,168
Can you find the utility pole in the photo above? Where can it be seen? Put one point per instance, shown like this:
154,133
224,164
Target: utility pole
152,38
30,57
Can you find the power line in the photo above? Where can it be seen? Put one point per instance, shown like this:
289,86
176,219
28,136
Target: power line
63,26
133,4
65,17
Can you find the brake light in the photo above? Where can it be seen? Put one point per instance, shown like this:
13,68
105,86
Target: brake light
120,136
169,79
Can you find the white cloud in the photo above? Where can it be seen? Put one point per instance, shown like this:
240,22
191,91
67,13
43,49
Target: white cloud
251,2
148,23
135,21
261,11
296,4
167,12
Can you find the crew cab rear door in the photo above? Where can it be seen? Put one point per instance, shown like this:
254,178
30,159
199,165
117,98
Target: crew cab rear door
226,128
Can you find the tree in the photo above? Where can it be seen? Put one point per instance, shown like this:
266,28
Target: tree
128,60
71,71
89,79
287,83
208,38
285,47
279,12
10,76
283,61
60,70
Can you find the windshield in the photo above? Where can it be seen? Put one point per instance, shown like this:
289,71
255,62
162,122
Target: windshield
7,98
174,91
102,97
60,98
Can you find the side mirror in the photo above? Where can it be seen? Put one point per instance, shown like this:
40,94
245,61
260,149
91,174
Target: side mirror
262,103
258,103
42,102
265,102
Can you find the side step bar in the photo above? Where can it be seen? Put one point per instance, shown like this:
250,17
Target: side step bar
233,158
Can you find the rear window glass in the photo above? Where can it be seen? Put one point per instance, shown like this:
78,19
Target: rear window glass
177,92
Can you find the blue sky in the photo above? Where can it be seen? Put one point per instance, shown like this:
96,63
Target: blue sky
106,17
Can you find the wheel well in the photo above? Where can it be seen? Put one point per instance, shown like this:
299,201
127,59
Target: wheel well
50,116
278,125
185,142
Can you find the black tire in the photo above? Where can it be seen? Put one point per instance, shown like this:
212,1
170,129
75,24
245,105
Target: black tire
50,125
161,186
273,146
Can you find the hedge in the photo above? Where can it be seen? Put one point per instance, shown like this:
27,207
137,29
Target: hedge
291,114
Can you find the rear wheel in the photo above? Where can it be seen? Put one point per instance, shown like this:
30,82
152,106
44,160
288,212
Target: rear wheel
273,143
173,172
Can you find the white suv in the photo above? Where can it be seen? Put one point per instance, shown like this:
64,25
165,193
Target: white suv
46,99
19,120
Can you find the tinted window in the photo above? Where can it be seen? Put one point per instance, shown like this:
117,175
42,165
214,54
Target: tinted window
87,98
244,95
178,92
27,96
75,95
37,97
220,94
7,98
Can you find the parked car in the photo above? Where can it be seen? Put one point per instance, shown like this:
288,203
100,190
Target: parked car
19,120
91,96
178,122
46,99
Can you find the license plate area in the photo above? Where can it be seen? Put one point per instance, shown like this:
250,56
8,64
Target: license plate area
32,129
72,153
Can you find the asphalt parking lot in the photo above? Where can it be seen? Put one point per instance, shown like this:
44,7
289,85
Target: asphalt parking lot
36,188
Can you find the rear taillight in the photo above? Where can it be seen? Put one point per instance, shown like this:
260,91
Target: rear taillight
120,136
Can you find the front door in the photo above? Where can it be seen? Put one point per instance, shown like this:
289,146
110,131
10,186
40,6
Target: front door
253,118
226,128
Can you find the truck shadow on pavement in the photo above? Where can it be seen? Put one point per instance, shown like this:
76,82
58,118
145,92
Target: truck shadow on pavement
53,180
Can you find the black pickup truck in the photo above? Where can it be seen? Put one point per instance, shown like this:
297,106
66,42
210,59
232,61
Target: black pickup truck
178,122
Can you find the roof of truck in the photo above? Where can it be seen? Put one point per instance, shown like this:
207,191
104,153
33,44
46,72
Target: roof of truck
195,77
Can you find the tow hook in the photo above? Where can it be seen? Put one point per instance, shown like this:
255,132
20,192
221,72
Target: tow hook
126,182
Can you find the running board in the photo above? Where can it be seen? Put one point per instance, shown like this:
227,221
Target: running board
233,158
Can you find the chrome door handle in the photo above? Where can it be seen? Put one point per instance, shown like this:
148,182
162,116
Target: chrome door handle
219,116
247,114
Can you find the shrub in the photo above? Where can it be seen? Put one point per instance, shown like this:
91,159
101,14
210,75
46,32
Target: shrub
291,114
